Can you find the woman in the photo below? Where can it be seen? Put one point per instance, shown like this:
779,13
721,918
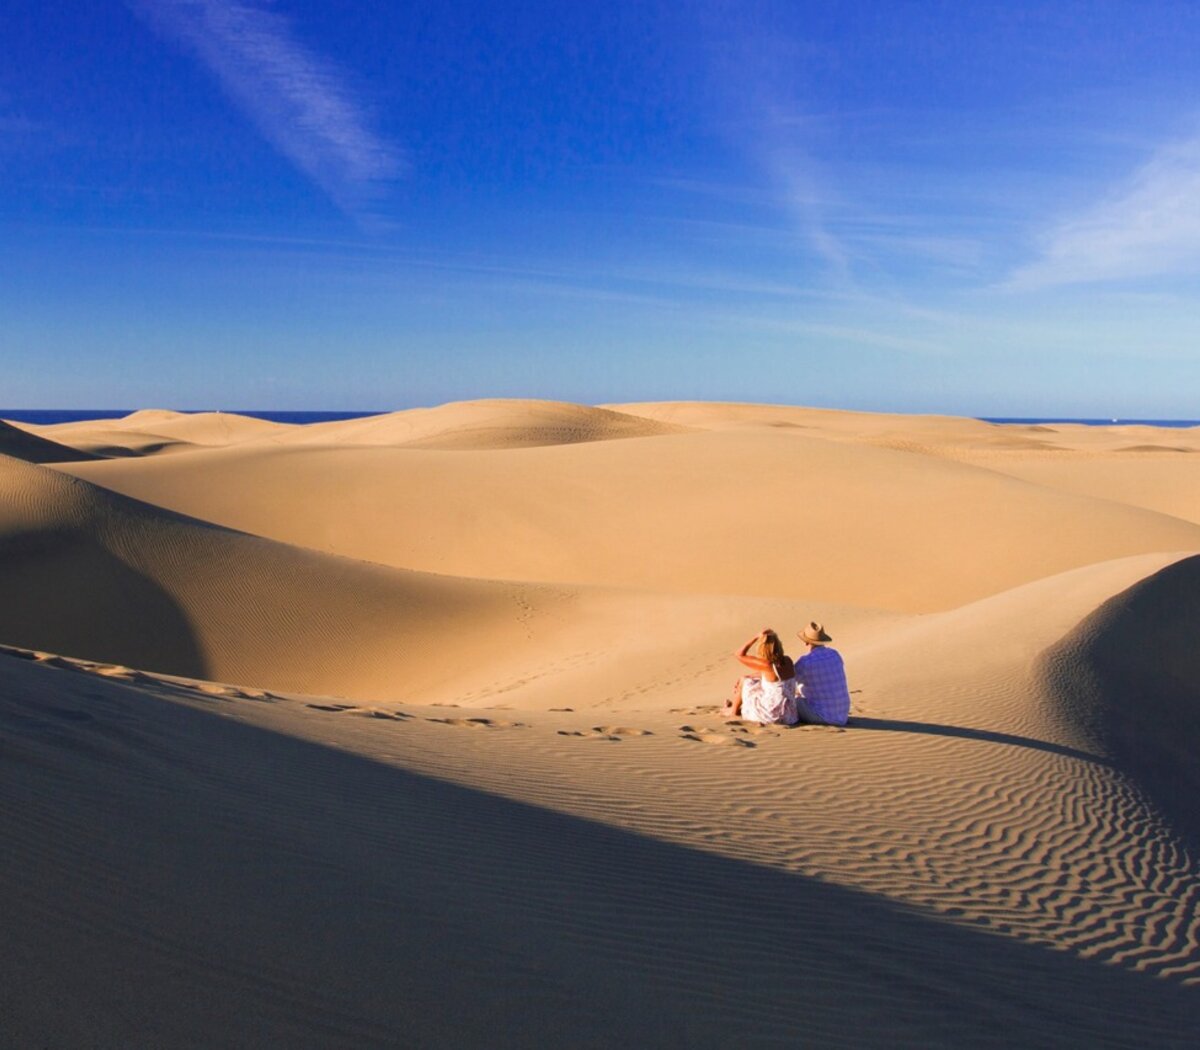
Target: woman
770,695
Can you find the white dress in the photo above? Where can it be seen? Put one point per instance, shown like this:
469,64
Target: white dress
769,702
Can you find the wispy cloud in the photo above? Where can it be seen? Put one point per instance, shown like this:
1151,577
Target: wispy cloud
1149,226
300,101
806,198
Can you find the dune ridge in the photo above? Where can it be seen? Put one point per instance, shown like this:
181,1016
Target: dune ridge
1130,674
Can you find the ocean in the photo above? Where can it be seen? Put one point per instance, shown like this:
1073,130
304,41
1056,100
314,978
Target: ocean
1093,422
46,416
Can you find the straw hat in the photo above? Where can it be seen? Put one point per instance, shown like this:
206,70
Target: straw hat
814,634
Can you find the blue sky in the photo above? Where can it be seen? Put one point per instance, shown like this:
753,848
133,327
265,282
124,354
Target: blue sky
918,206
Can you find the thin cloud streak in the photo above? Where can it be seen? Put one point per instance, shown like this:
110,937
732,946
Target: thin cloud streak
299,101
1148,227
806,202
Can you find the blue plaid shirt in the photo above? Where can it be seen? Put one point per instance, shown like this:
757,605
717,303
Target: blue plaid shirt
821,676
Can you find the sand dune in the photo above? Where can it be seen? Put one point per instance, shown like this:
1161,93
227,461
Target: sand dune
928,864
203,428
760,511
483,424
1129,674
1163,482
95,575
92,574
182,878
152,431
32,448
475,776
487,424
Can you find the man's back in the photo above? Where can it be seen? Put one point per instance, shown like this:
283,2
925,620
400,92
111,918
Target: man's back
822,677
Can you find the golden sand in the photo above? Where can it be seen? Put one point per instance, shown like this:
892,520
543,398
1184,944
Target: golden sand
404,731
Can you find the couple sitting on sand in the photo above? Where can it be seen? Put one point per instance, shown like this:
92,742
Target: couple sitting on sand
813,689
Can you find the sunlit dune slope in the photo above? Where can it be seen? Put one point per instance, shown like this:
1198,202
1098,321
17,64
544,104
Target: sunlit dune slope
956,437
32,448
486,424
755,510
157,430
92,574
1157,478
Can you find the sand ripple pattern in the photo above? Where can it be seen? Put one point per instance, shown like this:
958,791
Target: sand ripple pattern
1047,848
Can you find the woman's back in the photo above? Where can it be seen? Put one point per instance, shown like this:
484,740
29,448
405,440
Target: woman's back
782,670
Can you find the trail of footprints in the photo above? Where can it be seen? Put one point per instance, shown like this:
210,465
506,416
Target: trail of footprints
733,733
119,672
614,734
404,716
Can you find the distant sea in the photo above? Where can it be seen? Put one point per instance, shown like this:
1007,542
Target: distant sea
46,416
1095,422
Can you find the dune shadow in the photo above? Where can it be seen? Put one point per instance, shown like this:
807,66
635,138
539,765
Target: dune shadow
895,725
1129,675
62,591
29,447
263,890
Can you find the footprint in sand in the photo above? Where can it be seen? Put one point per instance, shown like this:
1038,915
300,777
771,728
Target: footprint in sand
20,654
68,714
708,736
47,660
614,733
750,728
703,709
216,689
476,723
378,712
113,671
335,708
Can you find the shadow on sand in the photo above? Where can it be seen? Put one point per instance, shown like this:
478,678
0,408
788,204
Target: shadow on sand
173,877
97,607
894,725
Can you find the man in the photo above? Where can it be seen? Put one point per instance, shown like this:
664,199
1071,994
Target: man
823,698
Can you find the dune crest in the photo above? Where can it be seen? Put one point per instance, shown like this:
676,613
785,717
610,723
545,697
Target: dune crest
483,425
